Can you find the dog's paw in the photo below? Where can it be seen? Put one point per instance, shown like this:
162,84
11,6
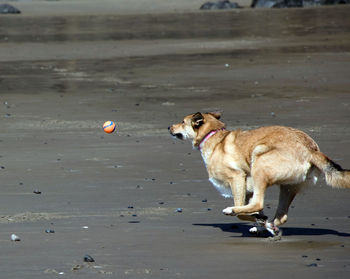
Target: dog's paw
272,229
258,230
229,211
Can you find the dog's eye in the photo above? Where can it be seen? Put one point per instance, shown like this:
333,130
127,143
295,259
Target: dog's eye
183,122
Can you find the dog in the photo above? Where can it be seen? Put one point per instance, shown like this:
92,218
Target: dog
243,164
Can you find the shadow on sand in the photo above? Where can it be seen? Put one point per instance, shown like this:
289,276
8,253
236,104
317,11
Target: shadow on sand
286,231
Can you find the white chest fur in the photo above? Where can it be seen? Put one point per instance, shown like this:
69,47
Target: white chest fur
221,187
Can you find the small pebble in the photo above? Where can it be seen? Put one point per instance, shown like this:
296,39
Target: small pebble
77,267
130,207
313,265
178,210
205,200
49,231
88,259
37,192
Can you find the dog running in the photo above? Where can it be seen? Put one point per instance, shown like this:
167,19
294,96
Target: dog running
243,164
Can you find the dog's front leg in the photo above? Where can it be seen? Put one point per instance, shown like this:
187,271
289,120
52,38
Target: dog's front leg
238,187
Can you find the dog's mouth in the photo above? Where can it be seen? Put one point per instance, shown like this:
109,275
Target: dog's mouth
177,135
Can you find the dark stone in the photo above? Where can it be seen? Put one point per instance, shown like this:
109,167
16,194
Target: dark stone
88,259
220,5
8,9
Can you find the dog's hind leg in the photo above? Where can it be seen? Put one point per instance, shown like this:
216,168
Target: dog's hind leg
287,194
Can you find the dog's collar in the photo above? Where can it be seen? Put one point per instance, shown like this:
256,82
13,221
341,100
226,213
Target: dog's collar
209,135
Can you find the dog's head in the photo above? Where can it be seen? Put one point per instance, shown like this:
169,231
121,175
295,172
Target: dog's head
196,126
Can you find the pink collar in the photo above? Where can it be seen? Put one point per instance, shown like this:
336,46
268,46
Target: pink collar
210,134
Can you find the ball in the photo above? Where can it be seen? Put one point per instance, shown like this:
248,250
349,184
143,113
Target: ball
109,127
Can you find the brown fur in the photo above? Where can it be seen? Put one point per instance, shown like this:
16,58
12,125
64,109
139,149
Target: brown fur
247,162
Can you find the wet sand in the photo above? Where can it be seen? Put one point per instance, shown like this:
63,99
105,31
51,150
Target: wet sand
114,197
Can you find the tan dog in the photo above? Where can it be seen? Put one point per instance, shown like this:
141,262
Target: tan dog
243,164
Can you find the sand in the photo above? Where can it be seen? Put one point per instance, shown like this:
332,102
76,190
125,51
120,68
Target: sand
65,71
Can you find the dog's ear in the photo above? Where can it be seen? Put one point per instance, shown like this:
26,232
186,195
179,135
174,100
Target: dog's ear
216,114
197,120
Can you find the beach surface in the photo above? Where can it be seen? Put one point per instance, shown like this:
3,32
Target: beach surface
69,190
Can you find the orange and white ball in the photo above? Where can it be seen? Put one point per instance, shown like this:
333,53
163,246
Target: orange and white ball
109,127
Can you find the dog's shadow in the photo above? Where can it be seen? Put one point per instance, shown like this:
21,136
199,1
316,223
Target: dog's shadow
243,229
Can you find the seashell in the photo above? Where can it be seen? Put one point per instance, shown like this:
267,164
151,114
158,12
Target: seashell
15,237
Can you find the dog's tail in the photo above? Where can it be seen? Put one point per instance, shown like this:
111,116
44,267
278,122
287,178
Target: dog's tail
336,176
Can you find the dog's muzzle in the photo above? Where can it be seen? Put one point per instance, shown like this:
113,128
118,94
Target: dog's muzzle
177,135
